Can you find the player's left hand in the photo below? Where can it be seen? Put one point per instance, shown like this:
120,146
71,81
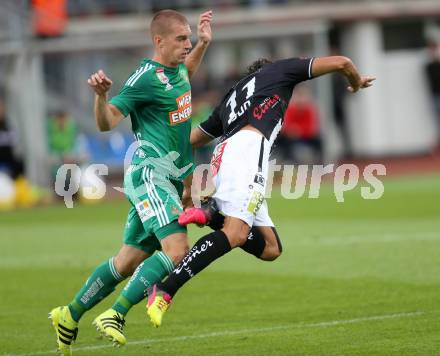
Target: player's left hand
204,32
365,82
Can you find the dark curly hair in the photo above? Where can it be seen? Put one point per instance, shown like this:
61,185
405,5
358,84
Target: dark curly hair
257,65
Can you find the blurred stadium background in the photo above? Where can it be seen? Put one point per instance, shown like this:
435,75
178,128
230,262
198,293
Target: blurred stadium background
371,259
48,49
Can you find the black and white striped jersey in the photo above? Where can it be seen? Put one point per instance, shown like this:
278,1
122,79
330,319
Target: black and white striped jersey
260,99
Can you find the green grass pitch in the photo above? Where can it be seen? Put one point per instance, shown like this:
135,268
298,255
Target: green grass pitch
357,278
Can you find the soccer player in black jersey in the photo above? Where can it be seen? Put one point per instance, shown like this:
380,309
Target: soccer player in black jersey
247,120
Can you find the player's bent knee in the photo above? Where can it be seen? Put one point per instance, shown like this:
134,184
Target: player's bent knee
175,246
273,248
124,266
270,253
236,237
177,253
236,231
177,256
128,259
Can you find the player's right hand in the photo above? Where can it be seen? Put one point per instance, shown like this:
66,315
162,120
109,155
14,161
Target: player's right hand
99,82
204,32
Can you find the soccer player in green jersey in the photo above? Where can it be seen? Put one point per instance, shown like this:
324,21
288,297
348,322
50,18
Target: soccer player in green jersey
157,96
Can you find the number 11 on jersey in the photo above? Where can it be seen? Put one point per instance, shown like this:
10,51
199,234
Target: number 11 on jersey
232,101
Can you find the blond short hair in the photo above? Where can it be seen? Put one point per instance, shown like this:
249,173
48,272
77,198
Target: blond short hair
163,20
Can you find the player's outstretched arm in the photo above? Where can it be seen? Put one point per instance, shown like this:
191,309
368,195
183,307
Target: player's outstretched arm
107,116
198,138
343,65
204,35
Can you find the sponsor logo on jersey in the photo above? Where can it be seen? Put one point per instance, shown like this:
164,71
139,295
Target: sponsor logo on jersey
183,111
255,202
259,179
145,211
160,73
266,104
216,160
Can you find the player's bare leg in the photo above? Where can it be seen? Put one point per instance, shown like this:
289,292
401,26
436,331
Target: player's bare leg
128,258
272,244
175,246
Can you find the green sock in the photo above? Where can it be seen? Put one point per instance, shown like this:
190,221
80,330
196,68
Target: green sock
99,285
149,272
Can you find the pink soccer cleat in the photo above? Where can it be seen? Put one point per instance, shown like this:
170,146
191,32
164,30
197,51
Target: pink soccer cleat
194,216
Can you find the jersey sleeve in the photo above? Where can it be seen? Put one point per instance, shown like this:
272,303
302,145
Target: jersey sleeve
295,69
133,94
213,126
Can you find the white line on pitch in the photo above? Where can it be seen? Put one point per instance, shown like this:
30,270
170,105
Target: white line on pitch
371,238
322,324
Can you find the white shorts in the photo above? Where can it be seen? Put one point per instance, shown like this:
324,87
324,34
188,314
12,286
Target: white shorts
239,166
